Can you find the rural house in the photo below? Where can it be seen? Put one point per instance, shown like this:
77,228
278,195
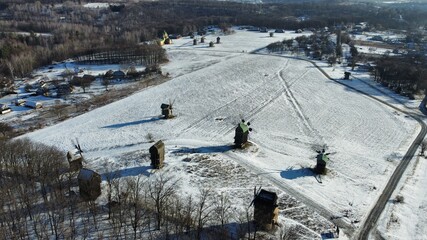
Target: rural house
89,184
157,154
4,109
266,211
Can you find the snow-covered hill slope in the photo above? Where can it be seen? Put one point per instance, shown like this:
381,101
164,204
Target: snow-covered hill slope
292,108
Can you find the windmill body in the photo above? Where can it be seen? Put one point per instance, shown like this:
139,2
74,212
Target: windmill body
241,134
266,211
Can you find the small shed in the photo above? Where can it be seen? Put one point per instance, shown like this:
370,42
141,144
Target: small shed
241,134
266,211
89,184
218,40
322,159
157,154
75,159
347,75
166,110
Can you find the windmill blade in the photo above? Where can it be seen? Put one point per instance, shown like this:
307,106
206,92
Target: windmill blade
250,205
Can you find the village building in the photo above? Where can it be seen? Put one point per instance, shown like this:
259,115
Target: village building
5,109
19,102
89,184
266,211
157,154
75,159
241,134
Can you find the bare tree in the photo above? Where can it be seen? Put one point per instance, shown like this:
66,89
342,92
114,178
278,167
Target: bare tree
160,190
203,210
136,201
222,206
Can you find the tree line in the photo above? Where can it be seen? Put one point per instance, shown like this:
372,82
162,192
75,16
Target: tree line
40,200
71,29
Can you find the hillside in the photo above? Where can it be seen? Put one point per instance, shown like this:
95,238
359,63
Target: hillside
293,108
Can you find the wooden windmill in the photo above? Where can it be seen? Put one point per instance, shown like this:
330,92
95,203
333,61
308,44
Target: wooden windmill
266,211
167,109
322,158
242,133
75,157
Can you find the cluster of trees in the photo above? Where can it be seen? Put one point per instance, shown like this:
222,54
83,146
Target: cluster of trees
40,201
317,45
404,74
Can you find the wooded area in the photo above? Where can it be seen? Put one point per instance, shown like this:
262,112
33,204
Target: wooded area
35,34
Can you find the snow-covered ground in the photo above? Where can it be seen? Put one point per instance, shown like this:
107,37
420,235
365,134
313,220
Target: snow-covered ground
293,108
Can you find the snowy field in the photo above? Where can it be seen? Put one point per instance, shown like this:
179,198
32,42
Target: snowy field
293,108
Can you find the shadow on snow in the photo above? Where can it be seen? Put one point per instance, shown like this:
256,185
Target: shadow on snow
120,125
127,172
208,149
296,173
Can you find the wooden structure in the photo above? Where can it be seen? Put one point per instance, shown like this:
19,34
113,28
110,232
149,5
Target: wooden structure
322,159
19,102
241,134
89,184
166,110
347,75
266,211
5,109
157,154
218,40
165,39
75,159
211,44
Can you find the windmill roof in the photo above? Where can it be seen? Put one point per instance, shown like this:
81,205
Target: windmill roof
244,127
322,157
